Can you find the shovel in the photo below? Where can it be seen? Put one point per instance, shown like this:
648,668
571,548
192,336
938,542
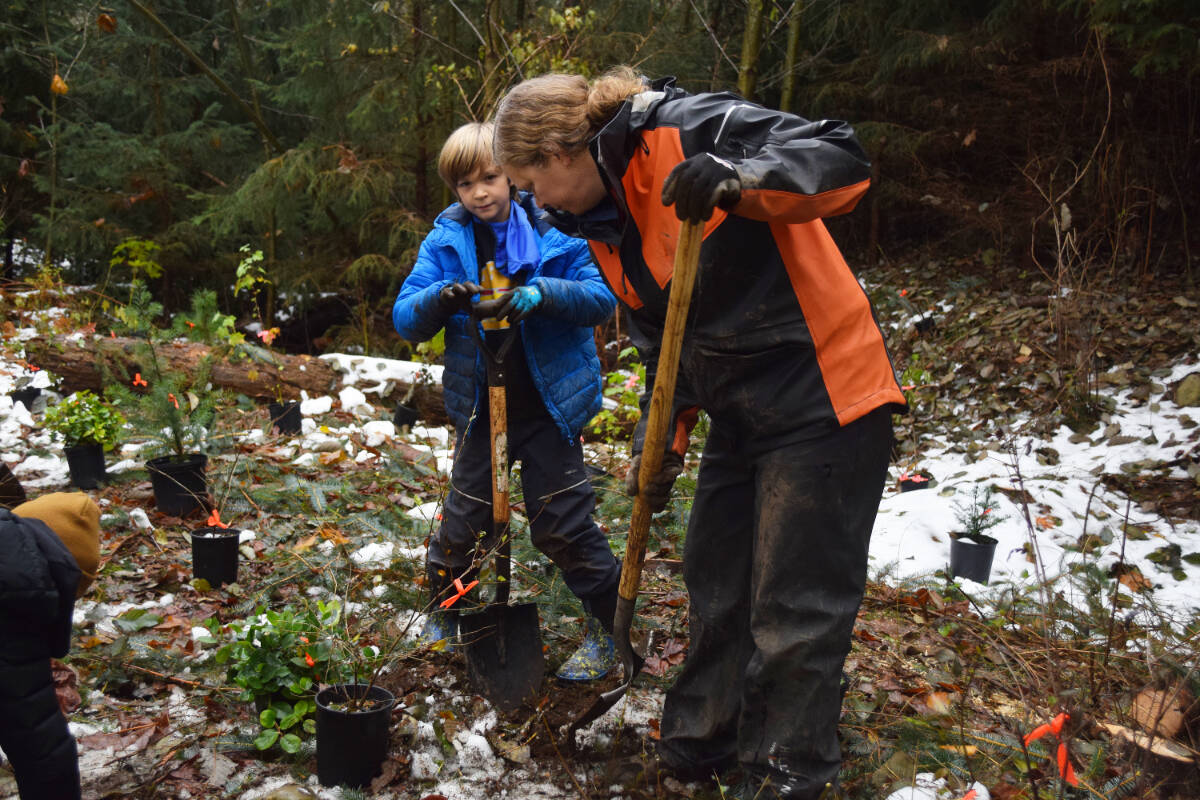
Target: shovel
502,642
687,256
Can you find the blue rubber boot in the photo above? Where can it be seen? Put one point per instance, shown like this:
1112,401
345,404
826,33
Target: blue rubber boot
594,658
440,626
598,653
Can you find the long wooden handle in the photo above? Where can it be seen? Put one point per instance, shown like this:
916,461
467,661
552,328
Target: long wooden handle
498,418
687,258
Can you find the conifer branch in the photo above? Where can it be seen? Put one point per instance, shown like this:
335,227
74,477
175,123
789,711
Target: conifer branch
220,83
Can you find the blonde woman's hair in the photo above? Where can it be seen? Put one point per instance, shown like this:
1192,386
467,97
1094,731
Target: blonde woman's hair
558,113
467,149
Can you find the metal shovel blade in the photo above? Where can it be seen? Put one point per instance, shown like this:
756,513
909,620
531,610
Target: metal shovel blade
504,653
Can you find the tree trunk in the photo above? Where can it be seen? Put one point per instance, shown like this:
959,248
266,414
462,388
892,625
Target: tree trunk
78,365
751,41
788,91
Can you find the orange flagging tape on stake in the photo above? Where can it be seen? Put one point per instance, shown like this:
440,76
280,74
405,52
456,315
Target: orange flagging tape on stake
1055,727
460,591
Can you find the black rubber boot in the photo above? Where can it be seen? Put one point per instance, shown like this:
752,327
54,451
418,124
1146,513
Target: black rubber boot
603,607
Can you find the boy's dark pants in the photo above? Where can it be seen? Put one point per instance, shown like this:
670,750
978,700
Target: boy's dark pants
33,732
558,502
775,565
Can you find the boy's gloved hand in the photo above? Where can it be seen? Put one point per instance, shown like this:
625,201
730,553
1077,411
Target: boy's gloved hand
699,184
658,490
519,303
457,296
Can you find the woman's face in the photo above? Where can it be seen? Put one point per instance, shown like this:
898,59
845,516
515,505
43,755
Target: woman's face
568,183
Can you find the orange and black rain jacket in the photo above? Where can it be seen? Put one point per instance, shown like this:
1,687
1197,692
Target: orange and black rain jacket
781,336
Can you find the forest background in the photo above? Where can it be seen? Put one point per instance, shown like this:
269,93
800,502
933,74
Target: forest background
1016,139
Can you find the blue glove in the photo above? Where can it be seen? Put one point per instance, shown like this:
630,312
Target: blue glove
519,303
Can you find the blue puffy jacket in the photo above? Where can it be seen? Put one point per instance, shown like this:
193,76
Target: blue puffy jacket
558,340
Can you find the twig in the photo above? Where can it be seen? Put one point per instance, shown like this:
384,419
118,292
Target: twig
563,761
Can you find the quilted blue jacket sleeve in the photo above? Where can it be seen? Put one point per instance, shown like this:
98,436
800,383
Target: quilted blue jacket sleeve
417,315
572,289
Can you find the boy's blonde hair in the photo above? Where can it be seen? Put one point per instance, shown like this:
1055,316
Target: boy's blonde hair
467,149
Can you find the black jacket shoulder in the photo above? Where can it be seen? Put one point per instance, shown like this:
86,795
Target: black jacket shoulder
38,577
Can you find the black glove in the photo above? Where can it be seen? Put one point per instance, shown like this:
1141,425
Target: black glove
658,490
699,184
457,296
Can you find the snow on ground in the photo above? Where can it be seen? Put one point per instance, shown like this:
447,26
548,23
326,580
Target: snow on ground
911,538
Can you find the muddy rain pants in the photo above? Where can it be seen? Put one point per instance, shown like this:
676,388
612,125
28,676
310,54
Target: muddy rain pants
559,501
775,565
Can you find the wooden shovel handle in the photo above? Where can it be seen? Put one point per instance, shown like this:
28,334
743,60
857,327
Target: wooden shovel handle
687,257
498,417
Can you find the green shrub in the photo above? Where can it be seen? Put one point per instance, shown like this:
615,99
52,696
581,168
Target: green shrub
83,418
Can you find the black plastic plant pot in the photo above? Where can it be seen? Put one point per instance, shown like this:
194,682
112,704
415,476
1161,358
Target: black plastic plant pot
12,494
86,465
180,484
404,416
925,325
286,416
914,482
351,742
972,558
26,396
215,555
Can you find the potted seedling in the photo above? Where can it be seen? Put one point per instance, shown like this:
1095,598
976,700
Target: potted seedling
88,426
173,408
215,551
252,281
353,721
305,669
971,548
915,479
28,385
279,657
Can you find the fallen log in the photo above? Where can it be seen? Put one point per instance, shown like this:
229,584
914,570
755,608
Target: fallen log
80,363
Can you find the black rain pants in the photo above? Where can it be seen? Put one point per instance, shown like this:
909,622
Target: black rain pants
34,733
775,565
559,501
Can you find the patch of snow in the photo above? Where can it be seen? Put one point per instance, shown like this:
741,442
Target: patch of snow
316,406
426,512
377,554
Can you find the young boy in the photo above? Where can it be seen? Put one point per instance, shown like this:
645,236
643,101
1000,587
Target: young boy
493,244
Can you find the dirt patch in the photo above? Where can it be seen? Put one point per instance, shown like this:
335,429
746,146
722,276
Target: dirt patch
1177,498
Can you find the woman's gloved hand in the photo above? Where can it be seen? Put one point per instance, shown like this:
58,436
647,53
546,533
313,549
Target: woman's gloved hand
699,184
658,489
456,297
519,303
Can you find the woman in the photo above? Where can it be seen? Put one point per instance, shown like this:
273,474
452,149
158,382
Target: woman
783,353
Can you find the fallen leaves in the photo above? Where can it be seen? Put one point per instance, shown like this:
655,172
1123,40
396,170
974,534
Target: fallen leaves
673,652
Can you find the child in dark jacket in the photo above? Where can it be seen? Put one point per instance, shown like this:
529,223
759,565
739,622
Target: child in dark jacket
49,553
494,245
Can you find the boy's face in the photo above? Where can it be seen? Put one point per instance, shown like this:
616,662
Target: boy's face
485,194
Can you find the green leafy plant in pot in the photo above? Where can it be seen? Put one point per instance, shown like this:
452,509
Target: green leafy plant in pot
279,657
88,426
971,548
172,408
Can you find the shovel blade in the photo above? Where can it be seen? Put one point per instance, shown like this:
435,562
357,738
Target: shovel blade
504,653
